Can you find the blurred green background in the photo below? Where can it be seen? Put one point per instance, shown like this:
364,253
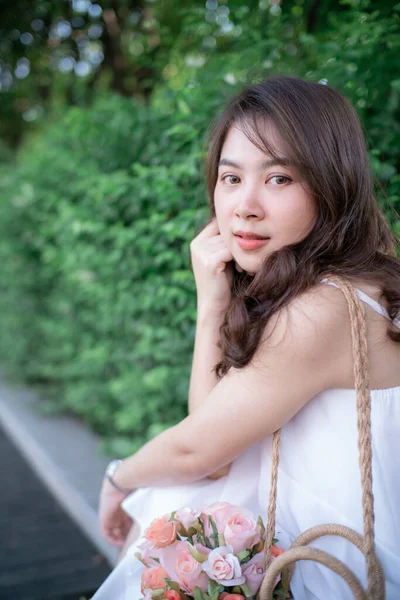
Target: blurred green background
104,108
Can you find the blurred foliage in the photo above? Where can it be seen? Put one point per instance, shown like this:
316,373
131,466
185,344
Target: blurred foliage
54,53
97,300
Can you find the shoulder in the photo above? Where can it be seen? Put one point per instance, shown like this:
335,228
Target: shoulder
314,330
319,310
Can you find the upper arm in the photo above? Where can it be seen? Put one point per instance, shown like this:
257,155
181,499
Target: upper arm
300,355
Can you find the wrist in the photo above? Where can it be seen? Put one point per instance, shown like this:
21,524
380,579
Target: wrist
209,313
108,489
112,478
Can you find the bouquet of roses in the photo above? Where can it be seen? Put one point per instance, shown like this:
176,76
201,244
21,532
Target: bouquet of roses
213,554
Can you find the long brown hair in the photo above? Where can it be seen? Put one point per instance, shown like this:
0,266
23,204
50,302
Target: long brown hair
322,137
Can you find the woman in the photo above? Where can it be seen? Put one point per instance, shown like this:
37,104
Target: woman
292,204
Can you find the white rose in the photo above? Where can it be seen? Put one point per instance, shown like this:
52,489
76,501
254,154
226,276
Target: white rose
224,567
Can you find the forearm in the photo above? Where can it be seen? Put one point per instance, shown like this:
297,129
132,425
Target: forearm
205,357
161,461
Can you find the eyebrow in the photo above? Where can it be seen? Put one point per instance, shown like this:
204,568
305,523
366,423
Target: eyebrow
270,162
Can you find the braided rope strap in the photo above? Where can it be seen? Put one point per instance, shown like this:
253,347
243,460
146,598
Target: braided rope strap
299,550
346,532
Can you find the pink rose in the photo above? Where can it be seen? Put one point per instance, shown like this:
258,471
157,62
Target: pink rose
153,578
183,568
161,532
148,553
222,566
226,596
187,516
237,524
254,572
172,595
254,569
241,530
219,512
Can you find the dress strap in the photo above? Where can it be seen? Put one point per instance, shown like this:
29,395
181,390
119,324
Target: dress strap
372,303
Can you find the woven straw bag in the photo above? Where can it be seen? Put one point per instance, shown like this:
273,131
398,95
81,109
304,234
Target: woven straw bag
299,549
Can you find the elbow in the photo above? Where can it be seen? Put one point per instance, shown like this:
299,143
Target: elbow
191,465
196,460
195,466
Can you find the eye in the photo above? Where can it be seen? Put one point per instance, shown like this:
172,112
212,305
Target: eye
279,180
230,179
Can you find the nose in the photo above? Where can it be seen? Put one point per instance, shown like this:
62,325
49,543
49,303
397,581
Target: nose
249,205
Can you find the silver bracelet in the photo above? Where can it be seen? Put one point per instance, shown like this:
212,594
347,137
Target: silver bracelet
110,472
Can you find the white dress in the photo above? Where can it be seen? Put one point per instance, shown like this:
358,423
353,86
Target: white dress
318,482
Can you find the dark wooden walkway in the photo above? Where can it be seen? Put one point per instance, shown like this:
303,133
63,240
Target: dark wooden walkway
43,555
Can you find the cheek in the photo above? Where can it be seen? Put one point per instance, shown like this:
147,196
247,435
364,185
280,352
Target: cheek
298,217
310,214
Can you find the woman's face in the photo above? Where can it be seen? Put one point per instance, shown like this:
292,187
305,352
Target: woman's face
260,205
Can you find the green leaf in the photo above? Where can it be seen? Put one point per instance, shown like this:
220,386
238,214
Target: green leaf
216,593
212,586
262,528
285,579
201,558
198,594
281,594
243,555
172,584
246,590
139,557
221,540
194,528
214,536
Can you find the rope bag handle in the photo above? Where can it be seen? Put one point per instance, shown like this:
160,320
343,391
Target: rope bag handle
299,550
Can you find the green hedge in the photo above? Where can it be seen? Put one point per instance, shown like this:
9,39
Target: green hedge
95,239
97,300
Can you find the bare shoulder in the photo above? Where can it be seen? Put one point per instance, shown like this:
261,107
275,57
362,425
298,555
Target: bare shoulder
320,310
314,328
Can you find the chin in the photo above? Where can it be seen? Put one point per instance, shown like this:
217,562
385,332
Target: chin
251,263
250,267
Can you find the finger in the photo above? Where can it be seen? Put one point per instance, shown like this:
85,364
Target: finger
210,246
213,251
219,260
108,528
215,240
114,541
115,537
108,535
209,230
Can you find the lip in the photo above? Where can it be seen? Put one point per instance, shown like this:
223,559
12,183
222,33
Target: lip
250,241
